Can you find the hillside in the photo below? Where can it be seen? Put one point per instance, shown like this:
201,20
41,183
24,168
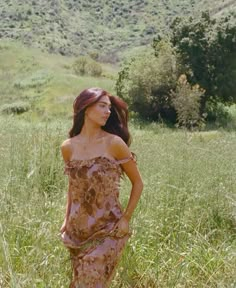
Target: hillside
43,84
218,8
102,28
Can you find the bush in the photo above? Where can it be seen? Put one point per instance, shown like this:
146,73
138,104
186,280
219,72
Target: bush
84,65
219,114
94,68
79,65
145,83
94,55
186,101
15,108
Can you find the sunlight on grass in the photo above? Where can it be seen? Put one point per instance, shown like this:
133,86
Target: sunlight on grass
183,228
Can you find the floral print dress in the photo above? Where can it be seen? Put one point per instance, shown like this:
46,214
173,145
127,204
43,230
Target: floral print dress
95,209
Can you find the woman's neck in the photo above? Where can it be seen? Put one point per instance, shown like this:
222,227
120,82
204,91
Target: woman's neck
91,132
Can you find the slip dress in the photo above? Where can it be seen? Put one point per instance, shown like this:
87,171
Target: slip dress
94,248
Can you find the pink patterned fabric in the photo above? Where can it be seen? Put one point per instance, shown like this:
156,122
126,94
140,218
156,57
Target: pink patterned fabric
95,209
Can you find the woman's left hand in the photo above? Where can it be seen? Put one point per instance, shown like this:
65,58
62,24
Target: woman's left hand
121,228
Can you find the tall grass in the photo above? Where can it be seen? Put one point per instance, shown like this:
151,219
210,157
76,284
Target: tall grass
183,228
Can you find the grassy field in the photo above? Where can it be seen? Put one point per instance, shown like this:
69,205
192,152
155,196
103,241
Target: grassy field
183,228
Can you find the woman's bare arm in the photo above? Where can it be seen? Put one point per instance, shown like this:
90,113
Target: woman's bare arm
121,151
66,154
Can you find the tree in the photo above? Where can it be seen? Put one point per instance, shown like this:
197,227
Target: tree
146,80
207,49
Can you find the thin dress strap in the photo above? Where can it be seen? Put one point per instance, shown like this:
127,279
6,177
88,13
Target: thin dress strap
125,160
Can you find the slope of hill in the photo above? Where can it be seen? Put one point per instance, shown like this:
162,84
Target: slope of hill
218,8
104,27
42,83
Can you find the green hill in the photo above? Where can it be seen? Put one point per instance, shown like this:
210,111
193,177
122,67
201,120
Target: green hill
102,28
43,84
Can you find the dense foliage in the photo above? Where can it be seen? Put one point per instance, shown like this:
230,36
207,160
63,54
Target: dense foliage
207,50
146,81
204,51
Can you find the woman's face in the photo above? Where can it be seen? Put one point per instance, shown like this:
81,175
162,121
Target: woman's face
99,112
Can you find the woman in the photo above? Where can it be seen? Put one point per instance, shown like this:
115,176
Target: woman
96,229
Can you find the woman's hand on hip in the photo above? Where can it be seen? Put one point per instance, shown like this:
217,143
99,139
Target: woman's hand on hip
122,227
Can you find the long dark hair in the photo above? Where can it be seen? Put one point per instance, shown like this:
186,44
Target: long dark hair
116,124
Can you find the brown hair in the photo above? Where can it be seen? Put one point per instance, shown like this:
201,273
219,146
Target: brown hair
116,124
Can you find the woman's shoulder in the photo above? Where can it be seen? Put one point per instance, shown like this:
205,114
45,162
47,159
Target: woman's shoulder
114,141
66,144
118,147
66,149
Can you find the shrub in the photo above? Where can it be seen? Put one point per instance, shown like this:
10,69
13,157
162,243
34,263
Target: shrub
84,65
186,101
79,65
219,114
145,83
94,55
94,68
15,108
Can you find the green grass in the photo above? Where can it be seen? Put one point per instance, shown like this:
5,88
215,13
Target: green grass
183,228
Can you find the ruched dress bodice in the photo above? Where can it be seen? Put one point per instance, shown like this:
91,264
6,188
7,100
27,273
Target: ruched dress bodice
94,191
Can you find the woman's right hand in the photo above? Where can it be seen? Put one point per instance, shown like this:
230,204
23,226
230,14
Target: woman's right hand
121,228
63,227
